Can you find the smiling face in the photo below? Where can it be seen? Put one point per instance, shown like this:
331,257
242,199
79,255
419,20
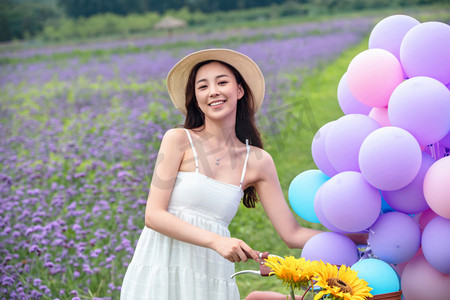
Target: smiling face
216,90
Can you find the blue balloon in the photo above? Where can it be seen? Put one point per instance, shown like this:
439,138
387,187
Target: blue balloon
380,276
302,191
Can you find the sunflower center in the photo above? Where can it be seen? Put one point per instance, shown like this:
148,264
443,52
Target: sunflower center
343,287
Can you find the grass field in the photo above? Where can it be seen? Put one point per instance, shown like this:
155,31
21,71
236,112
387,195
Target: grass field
80,126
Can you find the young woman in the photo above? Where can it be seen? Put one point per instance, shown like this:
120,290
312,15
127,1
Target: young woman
202,172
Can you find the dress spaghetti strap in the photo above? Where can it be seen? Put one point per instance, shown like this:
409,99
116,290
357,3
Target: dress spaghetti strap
193,149
245,163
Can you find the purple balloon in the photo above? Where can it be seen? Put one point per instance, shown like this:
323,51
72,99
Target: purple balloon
390,158
436,244
319,213
425,51
344,140
410,199
349,203
348,103
318,150
394,238
389,32
421,105
331,247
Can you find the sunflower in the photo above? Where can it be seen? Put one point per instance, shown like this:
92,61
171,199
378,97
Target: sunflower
294,272
341,283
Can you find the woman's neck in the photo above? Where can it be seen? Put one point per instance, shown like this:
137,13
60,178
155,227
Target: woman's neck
220,134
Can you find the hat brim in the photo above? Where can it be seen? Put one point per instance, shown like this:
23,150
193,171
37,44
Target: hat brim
249,70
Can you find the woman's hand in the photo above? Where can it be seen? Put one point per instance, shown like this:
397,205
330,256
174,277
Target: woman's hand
235,250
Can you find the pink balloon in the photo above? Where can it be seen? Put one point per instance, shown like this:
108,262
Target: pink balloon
349,203
410,199
436,244
345,138
380,114
390,158
348,103
318,150
394,238
436,187
421,105
425,51
389,32
372,75
421,281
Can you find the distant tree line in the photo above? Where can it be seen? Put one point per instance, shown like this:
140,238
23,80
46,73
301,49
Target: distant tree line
85,8
22,19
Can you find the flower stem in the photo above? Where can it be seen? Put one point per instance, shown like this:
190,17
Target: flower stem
292,293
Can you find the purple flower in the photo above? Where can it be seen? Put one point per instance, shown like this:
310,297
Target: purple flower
37,281
7,281
35,248
96,252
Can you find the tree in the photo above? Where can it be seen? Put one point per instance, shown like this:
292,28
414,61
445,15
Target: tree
25,18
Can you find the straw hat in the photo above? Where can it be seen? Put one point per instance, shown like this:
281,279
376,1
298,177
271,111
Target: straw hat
178,76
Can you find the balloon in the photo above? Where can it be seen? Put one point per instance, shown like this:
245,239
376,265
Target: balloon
436,244
410,199
302,191
421,281
394,238
349,203
436,187
425,51
372,75
319,212
318,150
390,158
331,247
345,138
380,114
348,103
380,276
425,217
389,32
421,105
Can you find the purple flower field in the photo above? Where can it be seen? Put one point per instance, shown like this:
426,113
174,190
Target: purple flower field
78,139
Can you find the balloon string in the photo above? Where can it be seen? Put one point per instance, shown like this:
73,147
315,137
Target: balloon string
432,151
438,155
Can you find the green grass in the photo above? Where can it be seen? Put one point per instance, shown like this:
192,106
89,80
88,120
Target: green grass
312,105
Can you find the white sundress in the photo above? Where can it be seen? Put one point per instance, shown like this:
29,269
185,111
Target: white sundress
163,268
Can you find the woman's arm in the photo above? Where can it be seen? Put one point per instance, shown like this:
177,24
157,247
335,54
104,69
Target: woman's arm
157,217
273,201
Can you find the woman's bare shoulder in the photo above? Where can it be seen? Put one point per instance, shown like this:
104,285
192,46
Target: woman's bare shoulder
175,136
260,158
